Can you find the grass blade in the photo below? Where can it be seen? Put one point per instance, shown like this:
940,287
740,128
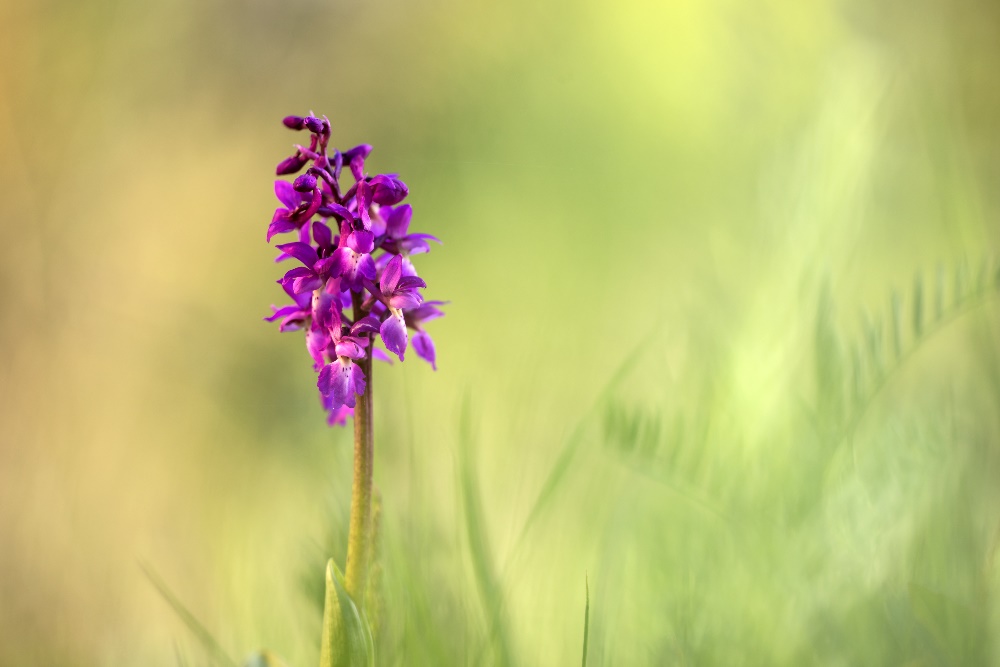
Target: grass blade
211,645
479,547
586,620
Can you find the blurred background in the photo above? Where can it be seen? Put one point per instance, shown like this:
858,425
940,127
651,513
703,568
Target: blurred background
722,339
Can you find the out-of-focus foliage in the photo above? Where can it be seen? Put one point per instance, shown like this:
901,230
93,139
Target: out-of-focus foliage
723,332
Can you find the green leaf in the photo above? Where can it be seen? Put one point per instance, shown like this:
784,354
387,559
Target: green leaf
347,637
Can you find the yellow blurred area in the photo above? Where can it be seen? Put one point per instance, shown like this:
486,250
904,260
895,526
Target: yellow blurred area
670,182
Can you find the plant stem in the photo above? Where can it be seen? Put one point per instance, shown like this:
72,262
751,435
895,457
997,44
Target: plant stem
359,540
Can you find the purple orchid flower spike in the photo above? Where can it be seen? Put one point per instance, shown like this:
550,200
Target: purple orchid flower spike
347,240
355,282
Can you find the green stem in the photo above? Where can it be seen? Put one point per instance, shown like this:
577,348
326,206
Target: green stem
358,540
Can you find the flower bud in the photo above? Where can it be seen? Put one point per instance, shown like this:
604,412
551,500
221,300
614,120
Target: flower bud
315,125
294,122
291,165
304,183
388,190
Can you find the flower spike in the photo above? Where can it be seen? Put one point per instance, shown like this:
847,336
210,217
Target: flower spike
355,283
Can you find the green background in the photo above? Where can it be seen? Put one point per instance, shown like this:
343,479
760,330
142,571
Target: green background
722,334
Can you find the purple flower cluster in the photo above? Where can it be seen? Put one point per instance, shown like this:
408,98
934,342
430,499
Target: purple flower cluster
355,284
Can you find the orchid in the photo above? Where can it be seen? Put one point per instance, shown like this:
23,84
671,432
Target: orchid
355,285
355,280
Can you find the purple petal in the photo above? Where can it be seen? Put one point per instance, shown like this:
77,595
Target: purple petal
336,210
322,234
379,354
398,221
423,345
378,221
303,252
326,310
367,324
279,313
391,274
364,201
405,300
279,225
326,266
293,323
342,262
286,194
357,381
339,415
332,382
292,274
340,381
314,204
416,244
393,333
357,166
366,267
427,311
317,341
348,348
306,284
410,282
361,241
338,163
362,151
303,301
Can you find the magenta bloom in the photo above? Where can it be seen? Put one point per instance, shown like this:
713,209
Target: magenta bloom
354,286
298,209
423,344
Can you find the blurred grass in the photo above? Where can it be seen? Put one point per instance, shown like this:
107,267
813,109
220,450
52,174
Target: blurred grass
685,246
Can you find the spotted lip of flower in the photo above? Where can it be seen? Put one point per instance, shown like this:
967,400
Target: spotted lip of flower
342,380
299,208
